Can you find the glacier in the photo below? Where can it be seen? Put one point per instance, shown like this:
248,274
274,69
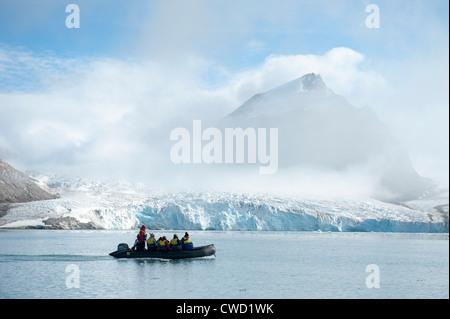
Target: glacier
88,203
325,144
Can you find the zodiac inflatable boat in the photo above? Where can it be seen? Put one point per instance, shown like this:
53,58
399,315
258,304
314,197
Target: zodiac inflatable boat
123,251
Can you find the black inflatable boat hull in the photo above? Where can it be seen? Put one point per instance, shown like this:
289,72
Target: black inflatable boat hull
201,251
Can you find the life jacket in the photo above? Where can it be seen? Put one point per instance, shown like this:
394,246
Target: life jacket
162,245
174,242
142,236
187,243
151,242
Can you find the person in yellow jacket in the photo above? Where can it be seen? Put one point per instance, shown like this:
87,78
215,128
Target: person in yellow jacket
186,242
163,244
175,243
151,242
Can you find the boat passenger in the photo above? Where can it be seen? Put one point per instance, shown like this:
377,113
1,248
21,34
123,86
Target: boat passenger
175,243
157,243
186,242
151,242
141,238
164,244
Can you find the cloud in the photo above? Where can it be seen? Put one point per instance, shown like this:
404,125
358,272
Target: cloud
339,67
99,112
113,117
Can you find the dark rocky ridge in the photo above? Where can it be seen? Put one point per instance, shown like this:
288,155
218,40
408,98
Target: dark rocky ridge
17,187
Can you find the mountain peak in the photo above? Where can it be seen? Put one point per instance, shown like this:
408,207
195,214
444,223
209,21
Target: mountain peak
296,94
308,82
311,82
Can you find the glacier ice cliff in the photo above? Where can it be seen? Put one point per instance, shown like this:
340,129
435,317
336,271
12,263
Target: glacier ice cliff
104,205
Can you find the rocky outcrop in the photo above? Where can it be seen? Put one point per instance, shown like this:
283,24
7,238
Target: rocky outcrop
67,223
17,187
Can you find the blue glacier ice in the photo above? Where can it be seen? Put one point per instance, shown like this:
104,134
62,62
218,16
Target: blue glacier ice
126,206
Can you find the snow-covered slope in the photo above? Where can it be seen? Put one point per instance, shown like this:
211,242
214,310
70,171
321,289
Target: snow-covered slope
321,130
97,204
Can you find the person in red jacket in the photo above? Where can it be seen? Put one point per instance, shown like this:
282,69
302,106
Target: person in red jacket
141,239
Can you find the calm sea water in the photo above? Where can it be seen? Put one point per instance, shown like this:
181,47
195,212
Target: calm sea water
281,265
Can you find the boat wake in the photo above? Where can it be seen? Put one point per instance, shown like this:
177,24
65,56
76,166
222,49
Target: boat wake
51,257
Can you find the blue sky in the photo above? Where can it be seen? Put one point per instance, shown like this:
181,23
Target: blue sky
205,58
235,35
223,30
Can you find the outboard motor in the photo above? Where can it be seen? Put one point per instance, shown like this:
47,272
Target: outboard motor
123,246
